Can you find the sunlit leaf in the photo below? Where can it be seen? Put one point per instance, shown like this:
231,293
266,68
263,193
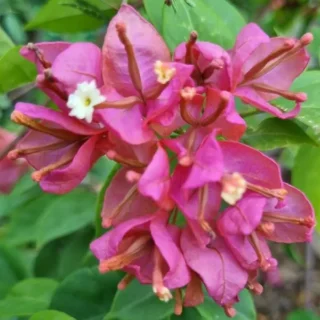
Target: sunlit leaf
276,133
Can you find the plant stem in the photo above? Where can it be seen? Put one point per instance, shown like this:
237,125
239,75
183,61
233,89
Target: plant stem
250,113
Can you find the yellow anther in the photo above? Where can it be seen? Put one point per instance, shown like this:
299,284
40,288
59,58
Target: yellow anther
164,72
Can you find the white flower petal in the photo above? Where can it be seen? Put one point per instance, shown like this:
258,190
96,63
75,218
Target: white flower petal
83,100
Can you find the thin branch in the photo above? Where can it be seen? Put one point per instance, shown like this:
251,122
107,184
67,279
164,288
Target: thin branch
250,113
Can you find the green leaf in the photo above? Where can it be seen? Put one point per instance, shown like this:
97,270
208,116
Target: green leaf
12,269
287,157
5,42
308,82
86,294
229,14
314,47
51,315
155,11
138,302
245,308
27,297
100,200
56,17
306,173
24,191
59,258
276,133
178,23
15,71
302,315
209,309
22,227
293,253
65,215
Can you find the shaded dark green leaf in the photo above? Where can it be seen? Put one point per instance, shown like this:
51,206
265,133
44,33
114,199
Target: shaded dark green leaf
139,302
12,269
51,315
86,294
302,315
22,227
66,214
61,257
28,297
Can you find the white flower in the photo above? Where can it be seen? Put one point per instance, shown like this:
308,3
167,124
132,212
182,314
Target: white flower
84,99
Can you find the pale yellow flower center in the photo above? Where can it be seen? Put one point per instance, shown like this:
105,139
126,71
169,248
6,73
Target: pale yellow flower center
164,72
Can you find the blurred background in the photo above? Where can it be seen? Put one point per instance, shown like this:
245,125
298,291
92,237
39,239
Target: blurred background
47,236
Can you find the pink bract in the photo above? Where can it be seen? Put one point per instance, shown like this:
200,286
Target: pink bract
62,149
10,170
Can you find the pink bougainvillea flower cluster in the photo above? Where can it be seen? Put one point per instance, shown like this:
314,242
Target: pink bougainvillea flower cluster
191,205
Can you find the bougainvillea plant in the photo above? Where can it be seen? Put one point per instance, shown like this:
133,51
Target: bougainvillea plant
189,205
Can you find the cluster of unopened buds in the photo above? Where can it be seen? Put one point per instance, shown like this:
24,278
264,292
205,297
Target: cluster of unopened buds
190,205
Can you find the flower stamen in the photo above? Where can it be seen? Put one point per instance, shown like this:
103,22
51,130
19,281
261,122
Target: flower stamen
132,61
113,155
229,311
215,64
270,193
124,103
162,292
295,96
19,118
187,94
225,98
278,218
257,69
17,153
203,200
67,158
135,250
187,159
194,294
117,211
189,45
254,240
289,48
178,308
32,47
126,280
266,228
